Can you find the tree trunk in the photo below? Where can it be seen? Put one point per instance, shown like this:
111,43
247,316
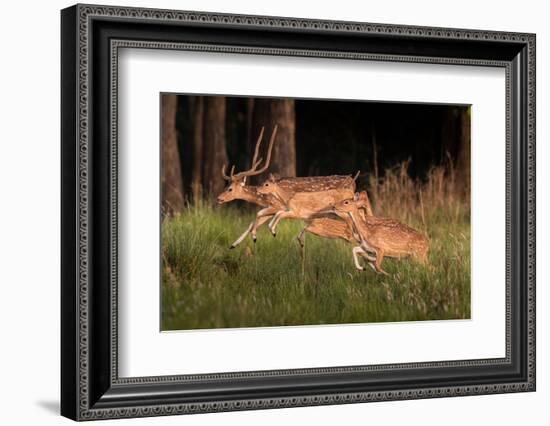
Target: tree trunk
463,155
214,151
250,136
268,113
197,111
172,185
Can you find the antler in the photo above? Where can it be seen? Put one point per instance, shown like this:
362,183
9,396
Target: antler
257,148
255,163
230,174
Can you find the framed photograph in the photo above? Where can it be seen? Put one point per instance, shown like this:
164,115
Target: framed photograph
263,212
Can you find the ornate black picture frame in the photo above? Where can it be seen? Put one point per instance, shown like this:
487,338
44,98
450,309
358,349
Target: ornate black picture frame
91,36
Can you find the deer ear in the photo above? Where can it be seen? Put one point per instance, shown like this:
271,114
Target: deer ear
272,177
244,181
356,197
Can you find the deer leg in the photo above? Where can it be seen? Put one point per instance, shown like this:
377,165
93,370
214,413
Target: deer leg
261,217
242,237
250,230
366,255
273,219
300,236
256,224
360,251
278,216
378,262
355,251
370,259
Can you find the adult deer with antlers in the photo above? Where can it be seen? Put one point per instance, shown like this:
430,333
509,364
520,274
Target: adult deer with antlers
239,190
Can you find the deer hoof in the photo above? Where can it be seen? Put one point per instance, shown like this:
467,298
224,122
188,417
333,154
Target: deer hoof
254,239
274,234
232,247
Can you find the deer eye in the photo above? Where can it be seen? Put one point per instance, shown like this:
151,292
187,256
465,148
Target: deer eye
230,189
346,202
266,184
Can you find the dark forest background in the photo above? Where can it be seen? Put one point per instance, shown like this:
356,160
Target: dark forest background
315,137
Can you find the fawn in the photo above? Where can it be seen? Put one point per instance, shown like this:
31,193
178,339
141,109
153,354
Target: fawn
381,236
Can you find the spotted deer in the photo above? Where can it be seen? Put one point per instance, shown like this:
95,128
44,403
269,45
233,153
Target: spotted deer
381,236
324,223
239,190
307,199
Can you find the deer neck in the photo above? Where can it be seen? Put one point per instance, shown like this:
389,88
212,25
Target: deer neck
359,225
282,195
250,194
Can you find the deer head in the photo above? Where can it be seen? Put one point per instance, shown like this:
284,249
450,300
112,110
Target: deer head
269,186
237,188
345,207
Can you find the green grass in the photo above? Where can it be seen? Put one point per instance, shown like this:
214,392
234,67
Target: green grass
207,285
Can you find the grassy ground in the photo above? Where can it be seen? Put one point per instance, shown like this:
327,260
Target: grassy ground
207,285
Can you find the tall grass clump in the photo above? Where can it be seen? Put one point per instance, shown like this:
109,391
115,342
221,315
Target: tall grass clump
272,283
419,201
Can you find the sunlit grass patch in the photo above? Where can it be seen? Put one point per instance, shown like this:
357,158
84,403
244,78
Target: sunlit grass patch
207,285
